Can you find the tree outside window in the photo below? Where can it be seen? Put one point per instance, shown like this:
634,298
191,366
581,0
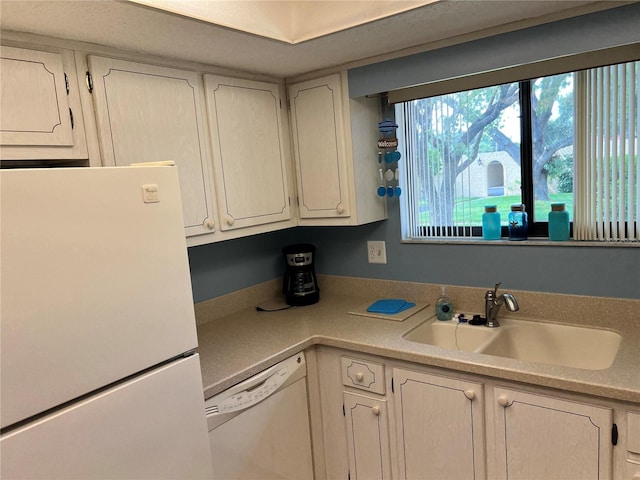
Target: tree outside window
469,149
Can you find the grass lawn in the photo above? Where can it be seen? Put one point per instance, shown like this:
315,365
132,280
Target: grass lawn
474,208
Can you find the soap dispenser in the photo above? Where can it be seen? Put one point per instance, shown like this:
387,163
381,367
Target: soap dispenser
444,307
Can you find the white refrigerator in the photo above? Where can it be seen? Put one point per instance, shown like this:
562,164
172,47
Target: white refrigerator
99,375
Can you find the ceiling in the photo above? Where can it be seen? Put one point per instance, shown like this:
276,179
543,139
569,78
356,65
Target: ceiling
281,51
288,21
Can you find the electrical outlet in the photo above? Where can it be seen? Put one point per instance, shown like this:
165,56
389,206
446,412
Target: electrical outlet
376,251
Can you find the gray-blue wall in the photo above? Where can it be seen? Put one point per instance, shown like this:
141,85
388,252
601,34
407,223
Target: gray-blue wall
221,268
586,33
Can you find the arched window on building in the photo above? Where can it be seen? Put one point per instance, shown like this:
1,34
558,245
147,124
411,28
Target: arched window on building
495,179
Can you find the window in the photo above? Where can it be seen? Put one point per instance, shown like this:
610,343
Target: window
569,138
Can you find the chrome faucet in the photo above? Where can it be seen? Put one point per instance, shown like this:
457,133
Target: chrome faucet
493,302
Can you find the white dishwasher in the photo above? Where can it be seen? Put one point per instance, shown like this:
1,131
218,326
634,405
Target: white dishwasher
259,429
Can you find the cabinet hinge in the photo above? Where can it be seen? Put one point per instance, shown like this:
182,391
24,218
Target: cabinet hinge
89,80
344,412
66,83
614,434
71,117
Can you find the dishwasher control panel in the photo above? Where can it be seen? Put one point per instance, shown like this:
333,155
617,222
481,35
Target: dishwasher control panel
257,388
256,394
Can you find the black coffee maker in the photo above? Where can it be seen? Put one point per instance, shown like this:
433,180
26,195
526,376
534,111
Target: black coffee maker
300,286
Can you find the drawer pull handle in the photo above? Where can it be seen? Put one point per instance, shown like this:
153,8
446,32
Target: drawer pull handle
503,401
375,410
470,394
340,209
210,224
359,377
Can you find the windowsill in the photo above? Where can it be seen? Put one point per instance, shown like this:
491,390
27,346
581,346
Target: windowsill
541,242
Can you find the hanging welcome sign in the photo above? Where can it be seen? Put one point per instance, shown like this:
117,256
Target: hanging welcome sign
387,152
388,143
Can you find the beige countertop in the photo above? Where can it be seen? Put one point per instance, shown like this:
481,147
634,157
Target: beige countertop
236,341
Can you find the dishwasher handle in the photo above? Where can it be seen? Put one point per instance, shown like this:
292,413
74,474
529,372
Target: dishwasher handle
257,388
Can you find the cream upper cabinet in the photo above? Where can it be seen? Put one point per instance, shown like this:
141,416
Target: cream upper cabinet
249,152
41,116
335,151
147,113
319,148
539,436
439,426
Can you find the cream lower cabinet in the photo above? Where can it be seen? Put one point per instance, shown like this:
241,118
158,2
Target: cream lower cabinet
147,113
379,417
539,436
632,454
335,150
439,427
367,437
351,417
250,156
41,115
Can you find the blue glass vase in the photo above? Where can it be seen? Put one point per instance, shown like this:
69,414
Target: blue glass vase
518,222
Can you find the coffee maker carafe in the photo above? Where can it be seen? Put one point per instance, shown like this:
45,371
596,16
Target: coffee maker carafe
300,286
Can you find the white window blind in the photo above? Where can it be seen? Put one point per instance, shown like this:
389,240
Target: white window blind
607,176
429,187
445,167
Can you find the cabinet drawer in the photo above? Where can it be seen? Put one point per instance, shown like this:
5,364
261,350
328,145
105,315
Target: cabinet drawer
363,374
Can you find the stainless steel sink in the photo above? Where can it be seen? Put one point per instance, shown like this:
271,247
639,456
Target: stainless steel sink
529,341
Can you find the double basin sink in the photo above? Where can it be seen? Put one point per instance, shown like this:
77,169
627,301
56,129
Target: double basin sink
529,341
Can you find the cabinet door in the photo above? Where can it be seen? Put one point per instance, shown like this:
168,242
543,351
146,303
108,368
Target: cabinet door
538,436
248,151
367,437
34,99
318,127
147,113
41,116
440,427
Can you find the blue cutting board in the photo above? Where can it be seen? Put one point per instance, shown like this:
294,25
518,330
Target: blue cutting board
390,306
